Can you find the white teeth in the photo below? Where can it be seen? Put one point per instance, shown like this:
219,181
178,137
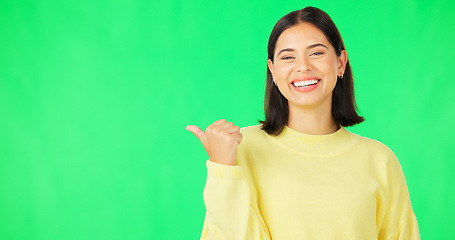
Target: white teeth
305,83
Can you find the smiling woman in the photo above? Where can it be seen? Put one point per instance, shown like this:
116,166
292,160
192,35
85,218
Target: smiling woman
307,63
301,174
312,44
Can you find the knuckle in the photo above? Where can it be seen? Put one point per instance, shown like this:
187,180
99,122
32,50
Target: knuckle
223,133
218,131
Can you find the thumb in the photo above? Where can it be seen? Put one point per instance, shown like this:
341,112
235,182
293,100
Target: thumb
196,131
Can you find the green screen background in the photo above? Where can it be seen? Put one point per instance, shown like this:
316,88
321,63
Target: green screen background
95,97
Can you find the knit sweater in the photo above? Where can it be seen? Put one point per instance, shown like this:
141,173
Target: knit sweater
312,187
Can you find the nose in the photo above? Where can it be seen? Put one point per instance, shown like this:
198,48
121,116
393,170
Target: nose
303,65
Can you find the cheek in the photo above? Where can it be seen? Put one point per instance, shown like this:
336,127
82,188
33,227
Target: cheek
282,70
327,67
328,70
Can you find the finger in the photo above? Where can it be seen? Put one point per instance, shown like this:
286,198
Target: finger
196,131
221,128
218,123
232,129
239,137
226,125
215,124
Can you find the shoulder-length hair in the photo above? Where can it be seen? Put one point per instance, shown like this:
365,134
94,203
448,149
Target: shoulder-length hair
344,108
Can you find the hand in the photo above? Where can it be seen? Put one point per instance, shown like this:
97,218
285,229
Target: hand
219,140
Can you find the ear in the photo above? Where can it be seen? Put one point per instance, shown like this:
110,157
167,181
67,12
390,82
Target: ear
342,60
271,67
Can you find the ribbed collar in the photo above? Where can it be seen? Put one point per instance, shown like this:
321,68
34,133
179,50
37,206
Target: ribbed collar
316,144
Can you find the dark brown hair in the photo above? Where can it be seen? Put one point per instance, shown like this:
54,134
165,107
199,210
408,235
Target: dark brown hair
344,108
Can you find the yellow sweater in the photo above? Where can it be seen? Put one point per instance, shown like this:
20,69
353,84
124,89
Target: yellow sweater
315,187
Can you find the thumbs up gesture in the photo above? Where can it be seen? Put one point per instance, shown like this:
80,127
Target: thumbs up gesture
219,140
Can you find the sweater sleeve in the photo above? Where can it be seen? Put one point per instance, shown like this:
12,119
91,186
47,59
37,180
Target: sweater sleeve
229,214
399,221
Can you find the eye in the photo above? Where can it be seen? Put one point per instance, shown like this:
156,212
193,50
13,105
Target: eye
317,53
287,58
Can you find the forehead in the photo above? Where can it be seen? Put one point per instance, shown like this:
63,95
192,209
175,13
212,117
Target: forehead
301,35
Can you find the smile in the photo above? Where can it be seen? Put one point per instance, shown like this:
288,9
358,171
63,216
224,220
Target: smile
306,85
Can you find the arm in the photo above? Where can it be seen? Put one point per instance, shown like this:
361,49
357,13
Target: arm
227,194
229,213
399,222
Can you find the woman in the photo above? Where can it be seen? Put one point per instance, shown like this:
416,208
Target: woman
301,174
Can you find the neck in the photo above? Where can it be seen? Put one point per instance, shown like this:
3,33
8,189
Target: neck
312,120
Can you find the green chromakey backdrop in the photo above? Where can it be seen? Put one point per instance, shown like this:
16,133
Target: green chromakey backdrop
95,96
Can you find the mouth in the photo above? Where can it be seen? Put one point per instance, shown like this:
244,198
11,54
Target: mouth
305,85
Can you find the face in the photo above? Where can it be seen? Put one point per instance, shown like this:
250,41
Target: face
306,66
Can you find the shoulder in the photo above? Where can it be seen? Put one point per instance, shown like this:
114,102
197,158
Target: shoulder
252,130
252,133
375,145
384,160
252,136
374,149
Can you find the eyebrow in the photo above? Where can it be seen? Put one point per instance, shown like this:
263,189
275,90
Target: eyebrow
309,47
